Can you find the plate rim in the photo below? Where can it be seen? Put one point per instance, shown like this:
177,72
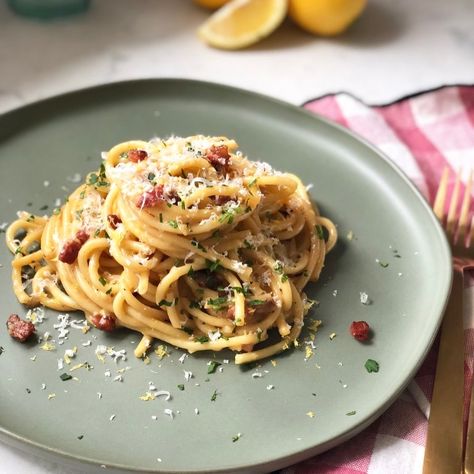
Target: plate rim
23,443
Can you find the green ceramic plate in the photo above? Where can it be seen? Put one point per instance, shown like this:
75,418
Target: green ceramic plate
43,146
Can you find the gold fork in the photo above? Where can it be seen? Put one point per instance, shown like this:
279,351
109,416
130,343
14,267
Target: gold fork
444,444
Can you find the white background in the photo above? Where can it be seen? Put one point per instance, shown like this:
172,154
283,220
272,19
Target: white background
397,48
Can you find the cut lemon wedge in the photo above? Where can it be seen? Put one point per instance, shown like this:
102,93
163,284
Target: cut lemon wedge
241,23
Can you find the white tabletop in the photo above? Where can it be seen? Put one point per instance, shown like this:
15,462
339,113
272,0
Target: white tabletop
397,48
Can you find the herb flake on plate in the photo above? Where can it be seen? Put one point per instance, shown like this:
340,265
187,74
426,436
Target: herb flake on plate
371,365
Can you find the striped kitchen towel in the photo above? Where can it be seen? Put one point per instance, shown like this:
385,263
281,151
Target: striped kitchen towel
421,134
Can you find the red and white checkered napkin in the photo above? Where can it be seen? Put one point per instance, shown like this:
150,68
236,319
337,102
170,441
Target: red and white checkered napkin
421,135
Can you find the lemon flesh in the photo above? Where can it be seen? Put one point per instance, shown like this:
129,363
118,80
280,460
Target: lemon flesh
241,23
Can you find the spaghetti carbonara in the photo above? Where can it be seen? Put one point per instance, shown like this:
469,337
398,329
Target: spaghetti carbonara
183,240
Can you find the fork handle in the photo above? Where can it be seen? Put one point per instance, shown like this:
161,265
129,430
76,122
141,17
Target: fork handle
443,452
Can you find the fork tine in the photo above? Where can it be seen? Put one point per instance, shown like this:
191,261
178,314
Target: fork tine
453,206
440,199
463,219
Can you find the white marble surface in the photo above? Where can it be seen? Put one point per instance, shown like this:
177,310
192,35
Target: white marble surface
397,48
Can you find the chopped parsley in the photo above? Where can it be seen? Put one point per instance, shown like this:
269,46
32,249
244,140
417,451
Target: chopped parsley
382,264
109,291
151,176
228,216
254,180
43,208
212,366
236,437
191,271
214,396
284,278
65,377
201,339
371,366
80,437
82,195
98,180
216,234
217,302
2,350
319,232
196,244
173,224
180,386
278,267
351,413
195,304
240,289
186,330
255,302
213,266
102,281
56,211
165,303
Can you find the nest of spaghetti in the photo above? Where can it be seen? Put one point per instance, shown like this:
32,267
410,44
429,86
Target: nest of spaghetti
184,240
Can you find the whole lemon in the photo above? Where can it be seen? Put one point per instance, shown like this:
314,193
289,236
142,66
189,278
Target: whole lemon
325,17
211,4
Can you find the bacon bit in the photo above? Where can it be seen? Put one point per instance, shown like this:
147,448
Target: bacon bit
104,322
151,198
220,200
114,220
71,248
82,236
19,329
247,347
219,157
172,195
230,313
137,155
205,278
360,330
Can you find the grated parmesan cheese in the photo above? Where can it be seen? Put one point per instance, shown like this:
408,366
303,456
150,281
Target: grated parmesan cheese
364,298
163,393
